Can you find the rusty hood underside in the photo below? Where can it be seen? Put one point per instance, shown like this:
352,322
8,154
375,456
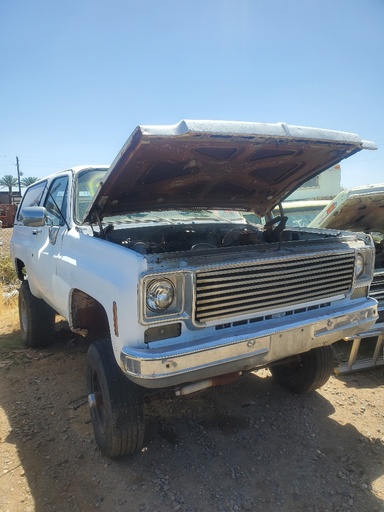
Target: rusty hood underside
217,165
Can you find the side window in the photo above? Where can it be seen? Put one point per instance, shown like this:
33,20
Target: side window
32,197
56,200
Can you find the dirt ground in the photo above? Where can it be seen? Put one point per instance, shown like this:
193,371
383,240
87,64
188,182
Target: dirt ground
249,446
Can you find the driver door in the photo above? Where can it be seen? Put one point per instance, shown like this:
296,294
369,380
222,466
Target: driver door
48,239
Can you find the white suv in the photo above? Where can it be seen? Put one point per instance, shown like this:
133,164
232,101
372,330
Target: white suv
153,259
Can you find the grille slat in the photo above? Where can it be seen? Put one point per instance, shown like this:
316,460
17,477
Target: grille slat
265,266
244,309
222,281
213,297
267,285
305,278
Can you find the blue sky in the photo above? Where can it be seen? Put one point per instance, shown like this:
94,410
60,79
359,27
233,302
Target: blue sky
77,76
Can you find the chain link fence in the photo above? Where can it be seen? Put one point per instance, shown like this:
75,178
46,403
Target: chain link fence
5,238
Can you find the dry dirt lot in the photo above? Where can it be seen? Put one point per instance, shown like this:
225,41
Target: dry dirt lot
250,446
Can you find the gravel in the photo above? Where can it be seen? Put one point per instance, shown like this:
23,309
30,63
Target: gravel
249,446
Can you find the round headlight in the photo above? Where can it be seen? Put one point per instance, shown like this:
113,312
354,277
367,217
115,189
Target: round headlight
359,266
160,295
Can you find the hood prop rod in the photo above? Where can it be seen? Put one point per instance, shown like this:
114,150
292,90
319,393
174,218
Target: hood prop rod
93,215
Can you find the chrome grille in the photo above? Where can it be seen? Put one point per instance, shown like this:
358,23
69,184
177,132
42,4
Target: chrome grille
377,286
266,285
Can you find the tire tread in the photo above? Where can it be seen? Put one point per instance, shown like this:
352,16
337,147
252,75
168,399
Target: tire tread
40,319
315,370
125,433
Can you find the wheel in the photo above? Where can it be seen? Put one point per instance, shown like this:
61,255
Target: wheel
116,403
37,319
310,372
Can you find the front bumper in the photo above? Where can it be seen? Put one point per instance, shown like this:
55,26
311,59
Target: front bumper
244,349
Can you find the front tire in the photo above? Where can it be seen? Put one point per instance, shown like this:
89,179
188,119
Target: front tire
37,319
116,404
310,372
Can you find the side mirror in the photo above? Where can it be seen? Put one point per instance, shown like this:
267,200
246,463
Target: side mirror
34,216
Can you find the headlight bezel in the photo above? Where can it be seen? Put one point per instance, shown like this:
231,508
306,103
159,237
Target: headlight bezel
176,309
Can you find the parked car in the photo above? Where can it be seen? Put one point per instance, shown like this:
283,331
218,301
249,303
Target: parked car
153,260
302,213
298,213
361,209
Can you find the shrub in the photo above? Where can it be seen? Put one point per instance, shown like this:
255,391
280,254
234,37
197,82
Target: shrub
7,271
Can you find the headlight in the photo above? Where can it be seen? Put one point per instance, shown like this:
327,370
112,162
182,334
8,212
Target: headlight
359,265
160,295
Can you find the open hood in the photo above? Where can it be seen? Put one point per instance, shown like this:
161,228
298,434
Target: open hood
217,165
357,209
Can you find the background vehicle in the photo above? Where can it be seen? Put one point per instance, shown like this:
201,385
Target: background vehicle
362,209
302,213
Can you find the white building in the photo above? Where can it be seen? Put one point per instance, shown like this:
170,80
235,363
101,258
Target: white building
324,186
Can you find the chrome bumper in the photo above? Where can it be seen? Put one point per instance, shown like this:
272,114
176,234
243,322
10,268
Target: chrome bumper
245,350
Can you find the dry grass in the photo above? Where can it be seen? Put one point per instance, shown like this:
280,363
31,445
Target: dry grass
9,316
9,323
7,272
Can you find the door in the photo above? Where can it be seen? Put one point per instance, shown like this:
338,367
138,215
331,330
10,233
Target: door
47,240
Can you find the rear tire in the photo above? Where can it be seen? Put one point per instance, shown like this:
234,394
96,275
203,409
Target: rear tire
37,319
310,372
116,403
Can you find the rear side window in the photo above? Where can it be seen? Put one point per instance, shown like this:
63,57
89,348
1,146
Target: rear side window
32,197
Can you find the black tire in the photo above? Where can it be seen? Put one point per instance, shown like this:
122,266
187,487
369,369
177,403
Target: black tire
37,319
116,403
310,372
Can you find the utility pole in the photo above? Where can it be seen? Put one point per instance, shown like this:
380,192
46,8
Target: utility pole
18,175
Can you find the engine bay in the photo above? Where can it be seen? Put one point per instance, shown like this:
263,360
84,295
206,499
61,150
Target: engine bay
203,236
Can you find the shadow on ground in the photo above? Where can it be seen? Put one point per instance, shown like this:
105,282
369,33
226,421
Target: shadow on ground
248,446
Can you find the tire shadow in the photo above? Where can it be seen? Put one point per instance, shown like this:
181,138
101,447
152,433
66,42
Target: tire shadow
247,446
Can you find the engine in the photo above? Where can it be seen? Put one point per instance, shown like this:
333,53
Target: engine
193,237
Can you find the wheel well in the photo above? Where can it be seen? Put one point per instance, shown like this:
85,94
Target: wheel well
88,315
20,269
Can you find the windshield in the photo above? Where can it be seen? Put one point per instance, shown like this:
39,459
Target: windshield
89,180
87,184
298,217
178,217
301,217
